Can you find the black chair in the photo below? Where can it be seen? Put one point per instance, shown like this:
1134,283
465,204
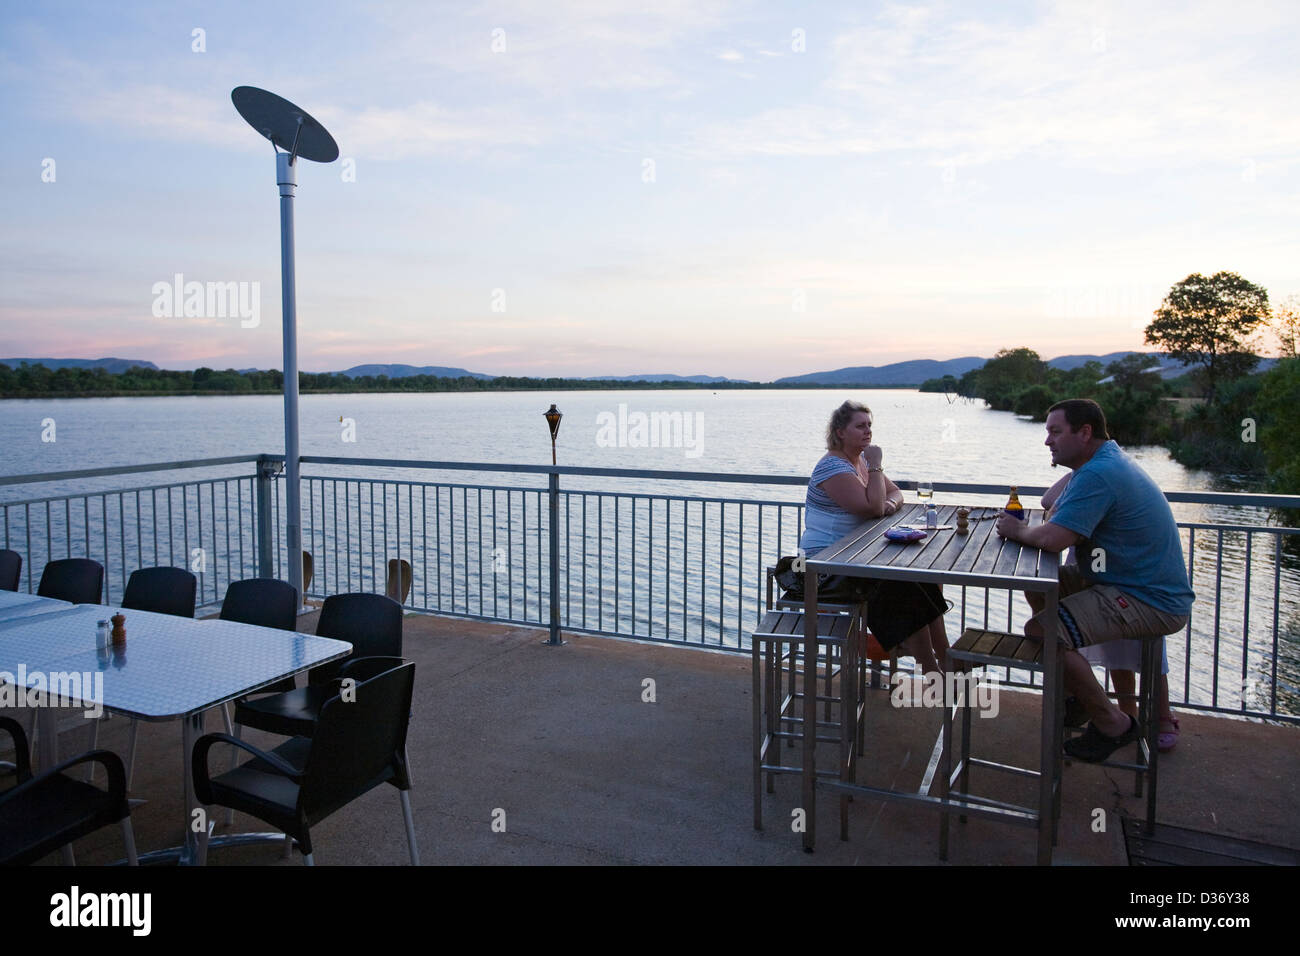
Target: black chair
371,623
360,743
75,580
11,567
161,590
78,581
43,813
265,602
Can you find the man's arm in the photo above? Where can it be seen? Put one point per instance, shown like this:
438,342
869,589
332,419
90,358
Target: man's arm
1053,493
1046,537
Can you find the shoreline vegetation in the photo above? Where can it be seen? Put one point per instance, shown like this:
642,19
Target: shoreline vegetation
1220,415
37,381
1246,430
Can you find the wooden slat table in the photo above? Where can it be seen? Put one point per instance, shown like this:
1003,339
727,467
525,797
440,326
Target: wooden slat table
979,559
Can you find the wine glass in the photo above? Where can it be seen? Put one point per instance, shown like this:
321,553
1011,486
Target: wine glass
924,490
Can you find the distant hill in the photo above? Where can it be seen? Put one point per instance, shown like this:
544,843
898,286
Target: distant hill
918,370
114,366
1167,368
406,371
1067,363
899,373
700,379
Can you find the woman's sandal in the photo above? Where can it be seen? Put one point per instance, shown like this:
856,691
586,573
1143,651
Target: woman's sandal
1168,739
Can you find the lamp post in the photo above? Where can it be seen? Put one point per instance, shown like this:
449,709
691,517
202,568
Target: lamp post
299,135
553,416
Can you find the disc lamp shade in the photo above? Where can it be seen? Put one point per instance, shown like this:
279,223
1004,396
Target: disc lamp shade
292,129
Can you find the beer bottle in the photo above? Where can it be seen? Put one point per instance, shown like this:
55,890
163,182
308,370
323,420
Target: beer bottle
1014,507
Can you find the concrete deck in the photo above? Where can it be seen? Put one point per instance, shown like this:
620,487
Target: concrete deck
558,744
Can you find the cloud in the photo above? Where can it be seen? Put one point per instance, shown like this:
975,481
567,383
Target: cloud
564,47
1082,83
164,112
1072,85
428,129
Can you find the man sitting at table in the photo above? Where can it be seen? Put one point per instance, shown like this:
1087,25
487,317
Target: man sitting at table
1131,580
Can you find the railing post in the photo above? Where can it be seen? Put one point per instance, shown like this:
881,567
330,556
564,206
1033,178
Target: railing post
266,471
554,488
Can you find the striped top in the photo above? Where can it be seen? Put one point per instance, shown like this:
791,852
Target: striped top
825,522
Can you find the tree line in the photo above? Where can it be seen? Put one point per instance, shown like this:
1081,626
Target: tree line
37,381
1232,419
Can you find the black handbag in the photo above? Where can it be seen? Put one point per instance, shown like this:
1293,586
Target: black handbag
831,588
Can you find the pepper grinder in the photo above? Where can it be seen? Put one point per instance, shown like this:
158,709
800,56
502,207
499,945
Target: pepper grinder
962,526
119,630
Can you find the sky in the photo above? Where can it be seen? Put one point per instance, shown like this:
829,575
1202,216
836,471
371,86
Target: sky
587,187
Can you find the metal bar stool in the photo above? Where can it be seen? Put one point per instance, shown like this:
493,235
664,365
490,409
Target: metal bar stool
777,648
978,647
872,658
1148,750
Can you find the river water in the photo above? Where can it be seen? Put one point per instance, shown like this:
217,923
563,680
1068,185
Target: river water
759,432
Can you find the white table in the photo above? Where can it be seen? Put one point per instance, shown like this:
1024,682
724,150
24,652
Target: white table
21,604
171,668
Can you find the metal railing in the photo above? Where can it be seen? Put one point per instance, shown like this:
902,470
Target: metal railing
629,558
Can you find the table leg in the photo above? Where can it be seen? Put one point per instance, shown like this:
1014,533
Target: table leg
1050,756
192,728
810,711
47,719
849,692
756,696
945,770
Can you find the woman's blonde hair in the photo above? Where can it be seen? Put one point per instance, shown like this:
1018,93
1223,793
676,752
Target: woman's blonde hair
840,418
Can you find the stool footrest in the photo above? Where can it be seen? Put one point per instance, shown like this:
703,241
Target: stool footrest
979,646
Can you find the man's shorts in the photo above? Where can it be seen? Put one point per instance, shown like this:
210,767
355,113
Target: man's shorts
1096,613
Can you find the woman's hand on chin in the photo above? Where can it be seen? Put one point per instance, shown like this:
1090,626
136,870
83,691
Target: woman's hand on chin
872,455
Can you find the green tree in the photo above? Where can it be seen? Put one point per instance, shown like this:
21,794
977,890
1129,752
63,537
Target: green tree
1286,326
1007,374
947,383
1209,323
968,386
1034,401
1133,401
1279,434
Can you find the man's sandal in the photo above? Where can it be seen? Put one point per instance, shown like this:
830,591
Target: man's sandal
1094,746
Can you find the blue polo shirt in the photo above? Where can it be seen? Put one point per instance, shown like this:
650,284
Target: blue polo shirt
1112,504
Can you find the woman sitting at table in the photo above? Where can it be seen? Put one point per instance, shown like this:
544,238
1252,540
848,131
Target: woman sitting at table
847,487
